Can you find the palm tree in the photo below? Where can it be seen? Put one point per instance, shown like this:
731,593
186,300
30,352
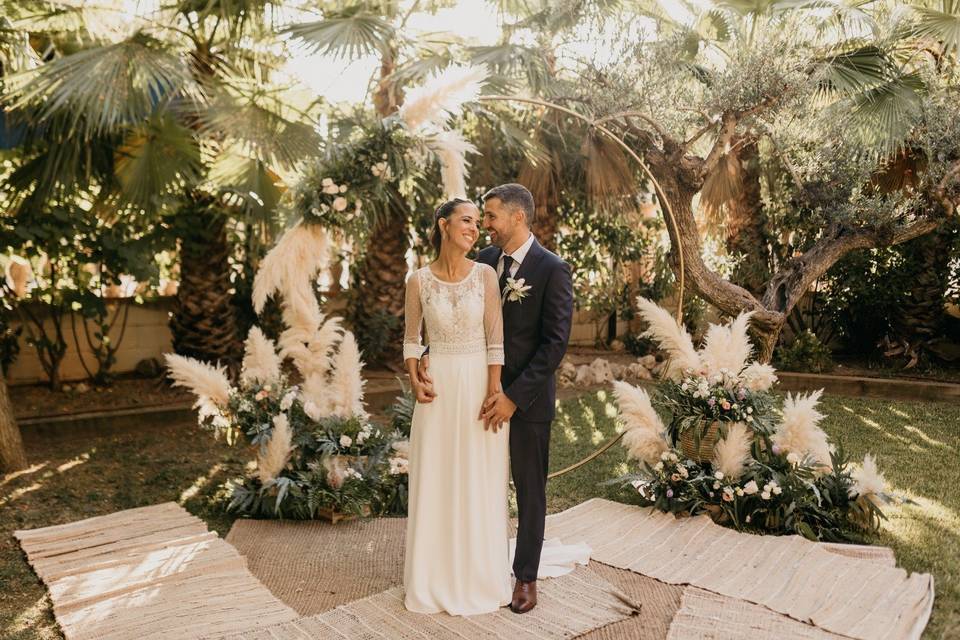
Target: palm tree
164,111
811,71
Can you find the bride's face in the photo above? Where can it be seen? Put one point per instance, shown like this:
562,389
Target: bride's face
462,228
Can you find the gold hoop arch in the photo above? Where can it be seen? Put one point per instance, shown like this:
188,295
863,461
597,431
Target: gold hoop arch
661,195
665,203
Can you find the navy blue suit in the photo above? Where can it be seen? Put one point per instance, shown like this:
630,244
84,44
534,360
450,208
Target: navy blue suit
535,335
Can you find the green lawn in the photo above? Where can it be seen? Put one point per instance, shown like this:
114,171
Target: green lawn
80,476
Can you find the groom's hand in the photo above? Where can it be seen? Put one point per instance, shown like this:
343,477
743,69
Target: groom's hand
496,410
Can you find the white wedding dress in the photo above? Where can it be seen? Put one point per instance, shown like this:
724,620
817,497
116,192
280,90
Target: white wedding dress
457,553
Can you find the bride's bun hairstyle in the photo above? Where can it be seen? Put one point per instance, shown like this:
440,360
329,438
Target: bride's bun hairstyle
443,211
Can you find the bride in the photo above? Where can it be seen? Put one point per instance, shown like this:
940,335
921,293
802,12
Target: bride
457,551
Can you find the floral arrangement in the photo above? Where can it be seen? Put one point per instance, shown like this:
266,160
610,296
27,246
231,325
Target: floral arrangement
317,453
769,471
380,164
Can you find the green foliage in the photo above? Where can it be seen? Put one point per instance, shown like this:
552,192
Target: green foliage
775,495
695,402
9,340
805,353
343,464
401,411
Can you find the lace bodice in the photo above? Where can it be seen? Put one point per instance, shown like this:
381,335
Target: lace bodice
459,317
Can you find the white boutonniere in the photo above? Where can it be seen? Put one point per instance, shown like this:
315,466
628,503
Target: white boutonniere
516,290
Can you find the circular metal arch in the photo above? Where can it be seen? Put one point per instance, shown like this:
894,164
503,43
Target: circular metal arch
665,204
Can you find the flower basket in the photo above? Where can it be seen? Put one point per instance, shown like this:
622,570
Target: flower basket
702,450
334,516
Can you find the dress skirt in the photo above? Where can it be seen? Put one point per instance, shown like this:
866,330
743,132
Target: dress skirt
457,553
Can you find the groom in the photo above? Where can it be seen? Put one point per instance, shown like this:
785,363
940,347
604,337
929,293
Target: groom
536,328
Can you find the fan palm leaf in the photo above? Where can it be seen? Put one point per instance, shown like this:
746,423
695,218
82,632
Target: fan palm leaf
158,157
350,34
103,89
942,26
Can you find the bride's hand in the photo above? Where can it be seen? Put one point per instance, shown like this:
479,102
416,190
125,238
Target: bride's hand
492,389
424,392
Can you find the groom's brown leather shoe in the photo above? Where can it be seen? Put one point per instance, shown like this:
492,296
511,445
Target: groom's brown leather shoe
524,596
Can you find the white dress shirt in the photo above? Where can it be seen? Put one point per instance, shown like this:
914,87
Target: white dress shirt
517,256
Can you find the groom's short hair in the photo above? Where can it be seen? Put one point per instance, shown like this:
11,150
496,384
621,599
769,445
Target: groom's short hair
514,195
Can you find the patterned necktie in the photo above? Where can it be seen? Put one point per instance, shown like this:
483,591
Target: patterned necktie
507,263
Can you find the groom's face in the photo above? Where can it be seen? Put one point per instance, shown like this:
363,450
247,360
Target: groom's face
500,222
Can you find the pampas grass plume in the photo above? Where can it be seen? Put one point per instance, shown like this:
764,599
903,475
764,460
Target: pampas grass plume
730,455
451,148
727,347
274,457
290,266
261,363
867,479
759,377
442,95
346,388
644,437
671,336
800,431
205,381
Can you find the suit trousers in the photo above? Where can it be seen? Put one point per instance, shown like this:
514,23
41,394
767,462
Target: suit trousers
529,451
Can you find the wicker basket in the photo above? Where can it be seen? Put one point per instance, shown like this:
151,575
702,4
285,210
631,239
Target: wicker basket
708,440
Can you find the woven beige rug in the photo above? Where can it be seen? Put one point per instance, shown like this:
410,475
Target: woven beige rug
567,607
710,616
337,564
151,572
841,594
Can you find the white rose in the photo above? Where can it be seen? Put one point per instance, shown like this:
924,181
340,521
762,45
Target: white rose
339,203
765,495
658,466
716,485
665,456
793,458
718,475
345,440
326,182
343,188
331,189
751,488
288,399
739,491
777,490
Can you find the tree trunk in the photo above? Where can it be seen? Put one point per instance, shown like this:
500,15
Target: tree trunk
203,323
679,178
744,225
376,301
12,455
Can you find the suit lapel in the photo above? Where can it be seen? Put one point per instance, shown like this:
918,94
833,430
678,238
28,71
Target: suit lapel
534,255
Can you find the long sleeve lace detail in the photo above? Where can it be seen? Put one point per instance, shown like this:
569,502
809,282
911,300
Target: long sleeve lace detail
413,319
458,317
492,316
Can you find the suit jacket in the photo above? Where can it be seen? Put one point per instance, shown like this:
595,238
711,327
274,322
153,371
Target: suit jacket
536,330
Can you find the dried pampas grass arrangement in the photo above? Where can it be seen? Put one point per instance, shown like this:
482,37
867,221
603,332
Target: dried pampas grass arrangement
290,268
442,95
759,376
727,347
210,384
671,335
274,456
732,453
346,388
645,437
868,481
261,364
451,148
799,432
